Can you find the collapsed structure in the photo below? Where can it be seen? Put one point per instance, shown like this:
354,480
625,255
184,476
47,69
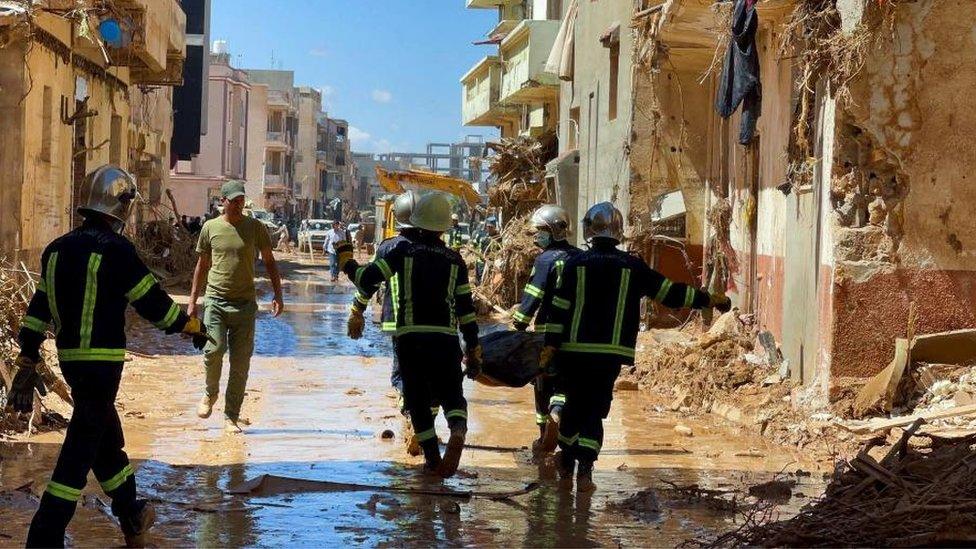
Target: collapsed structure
826,203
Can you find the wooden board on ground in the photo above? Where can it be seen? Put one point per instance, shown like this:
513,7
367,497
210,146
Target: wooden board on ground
879,424
266,485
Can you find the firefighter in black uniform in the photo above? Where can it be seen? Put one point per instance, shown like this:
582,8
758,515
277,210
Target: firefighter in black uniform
88,277
551,225
598,308
433,302
402,208
454,236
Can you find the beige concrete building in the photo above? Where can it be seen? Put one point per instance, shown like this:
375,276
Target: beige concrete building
510,88
308,168
223,150
71,103
846,206
257,147
281,190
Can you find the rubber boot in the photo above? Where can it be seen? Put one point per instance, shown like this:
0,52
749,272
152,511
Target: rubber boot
49,523
566,467
550,436
432,456
137,522
584,478
452,456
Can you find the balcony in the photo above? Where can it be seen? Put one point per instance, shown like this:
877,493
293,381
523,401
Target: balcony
274,183
277,141
525,51
154,43
487,4
480,89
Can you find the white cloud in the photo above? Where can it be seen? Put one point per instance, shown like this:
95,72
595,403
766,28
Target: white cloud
318,52
382,96
358,136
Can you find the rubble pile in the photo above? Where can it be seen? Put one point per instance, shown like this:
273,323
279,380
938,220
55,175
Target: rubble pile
729,371
507,269
920,492
17,286
168,250
518,169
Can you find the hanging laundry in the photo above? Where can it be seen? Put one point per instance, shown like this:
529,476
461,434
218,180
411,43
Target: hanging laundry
740,82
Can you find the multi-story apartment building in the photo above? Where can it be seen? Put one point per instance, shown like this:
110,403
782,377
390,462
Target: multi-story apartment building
280,187
338,179
308,192
510,89
223,150
71,101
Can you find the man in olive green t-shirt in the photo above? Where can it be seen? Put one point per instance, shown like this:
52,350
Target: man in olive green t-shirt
228,248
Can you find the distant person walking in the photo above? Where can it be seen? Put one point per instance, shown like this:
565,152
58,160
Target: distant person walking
336,234
228,247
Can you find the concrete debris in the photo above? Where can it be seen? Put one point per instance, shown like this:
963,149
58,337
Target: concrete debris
684,430
779,491
920,492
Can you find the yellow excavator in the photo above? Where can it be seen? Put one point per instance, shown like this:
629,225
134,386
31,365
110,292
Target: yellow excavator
399,181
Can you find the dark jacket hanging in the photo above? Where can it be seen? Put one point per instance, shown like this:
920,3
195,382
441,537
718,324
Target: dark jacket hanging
740,82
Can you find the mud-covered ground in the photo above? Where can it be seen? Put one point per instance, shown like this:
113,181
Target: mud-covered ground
317,406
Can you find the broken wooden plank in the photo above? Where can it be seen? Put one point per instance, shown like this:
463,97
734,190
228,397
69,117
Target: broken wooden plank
955,347
878,394
878,424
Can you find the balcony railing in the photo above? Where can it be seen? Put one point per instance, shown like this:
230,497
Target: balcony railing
480,89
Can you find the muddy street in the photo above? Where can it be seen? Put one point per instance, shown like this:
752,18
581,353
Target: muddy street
316,409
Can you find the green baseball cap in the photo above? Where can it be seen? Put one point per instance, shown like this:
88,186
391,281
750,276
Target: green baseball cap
232,189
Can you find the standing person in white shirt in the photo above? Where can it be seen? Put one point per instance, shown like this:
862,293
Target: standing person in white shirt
337,234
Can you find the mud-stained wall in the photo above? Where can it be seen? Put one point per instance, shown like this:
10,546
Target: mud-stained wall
905,151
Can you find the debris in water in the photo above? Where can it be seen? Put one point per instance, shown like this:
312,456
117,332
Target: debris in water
779,491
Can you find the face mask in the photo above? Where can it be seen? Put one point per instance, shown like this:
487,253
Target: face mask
543,239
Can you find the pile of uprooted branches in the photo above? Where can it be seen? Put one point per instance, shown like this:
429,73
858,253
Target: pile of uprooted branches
921,492
518,171
168,250
508,268
17,286
825,52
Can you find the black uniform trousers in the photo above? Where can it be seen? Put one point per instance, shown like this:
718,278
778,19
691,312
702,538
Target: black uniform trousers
589,380
93,442
430,367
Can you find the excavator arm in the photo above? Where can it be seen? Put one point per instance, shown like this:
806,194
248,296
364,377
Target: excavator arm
397,182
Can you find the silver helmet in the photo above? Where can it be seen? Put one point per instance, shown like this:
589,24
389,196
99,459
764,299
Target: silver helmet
403,207
553,219
603,220
109,190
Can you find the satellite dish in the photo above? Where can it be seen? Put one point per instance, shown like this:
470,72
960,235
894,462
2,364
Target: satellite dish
111,32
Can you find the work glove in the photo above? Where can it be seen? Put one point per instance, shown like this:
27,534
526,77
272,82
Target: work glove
720,302
473,360
343,250
520,326
26,380
546,366
195,329
355,324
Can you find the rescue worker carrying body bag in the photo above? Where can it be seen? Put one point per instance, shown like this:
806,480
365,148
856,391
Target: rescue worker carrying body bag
597,309
433,302
88,277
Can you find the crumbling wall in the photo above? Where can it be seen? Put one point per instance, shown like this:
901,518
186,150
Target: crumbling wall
902,190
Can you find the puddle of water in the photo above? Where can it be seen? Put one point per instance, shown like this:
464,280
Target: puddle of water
317,404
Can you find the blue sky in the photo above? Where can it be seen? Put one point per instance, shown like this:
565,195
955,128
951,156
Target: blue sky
389,67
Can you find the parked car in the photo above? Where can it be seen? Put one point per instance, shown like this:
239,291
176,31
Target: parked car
264,216
311,233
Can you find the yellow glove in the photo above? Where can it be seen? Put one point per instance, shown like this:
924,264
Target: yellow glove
355,324
343,249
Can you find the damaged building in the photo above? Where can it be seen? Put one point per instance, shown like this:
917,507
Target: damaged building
822,186
84,83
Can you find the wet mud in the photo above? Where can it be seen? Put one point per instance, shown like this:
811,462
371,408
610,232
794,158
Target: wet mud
316,408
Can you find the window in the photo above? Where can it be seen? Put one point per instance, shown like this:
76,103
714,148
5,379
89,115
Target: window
614,79
573,131
48,124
